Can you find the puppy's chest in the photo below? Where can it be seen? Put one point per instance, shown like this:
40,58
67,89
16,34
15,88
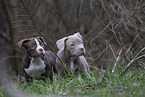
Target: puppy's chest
74,64
36,68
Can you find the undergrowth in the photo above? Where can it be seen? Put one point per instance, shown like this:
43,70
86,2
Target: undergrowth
99,84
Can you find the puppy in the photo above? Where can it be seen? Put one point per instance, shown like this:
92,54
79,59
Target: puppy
37,63
71,52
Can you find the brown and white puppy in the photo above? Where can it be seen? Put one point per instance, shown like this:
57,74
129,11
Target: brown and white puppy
71,52
37,63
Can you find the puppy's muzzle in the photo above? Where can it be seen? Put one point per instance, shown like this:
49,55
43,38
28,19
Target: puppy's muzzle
82,50
41,51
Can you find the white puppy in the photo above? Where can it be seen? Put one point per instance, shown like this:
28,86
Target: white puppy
71,52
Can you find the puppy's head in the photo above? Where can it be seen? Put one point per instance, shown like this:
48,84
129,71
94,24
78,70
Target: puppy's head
33,46
74,44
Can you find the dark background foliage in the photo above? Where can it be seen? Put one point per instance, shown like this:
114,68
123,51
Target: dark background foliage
119,23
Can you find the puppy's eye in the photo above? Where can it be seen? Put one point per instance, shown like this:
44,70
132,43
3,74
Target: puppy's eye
82,42
72,44
32,47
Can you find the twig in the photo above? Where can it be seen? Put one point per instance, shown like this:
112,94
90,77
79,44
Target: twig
121,40
118,9
101,53
126,18
140,51
136,58
117,60
115,37
99,33
4,36
80,7
128,65
132,42
103,5
110,28
141,1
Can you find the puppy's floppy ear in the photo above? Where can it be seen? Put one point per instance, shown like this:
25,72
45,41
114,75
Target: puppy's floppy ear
22,43
60,43
41,39
78,34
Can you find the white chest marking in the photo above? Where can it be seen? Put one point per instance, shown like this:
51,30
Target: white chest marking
36,68
72,65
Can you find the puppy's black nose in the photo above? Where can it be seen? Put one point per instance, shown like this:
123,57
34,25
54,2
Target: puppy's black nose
41,50
82,49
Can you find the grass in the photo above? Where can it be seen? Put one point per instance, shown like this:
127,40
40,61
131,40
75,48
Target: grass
3,92
128,82
103,84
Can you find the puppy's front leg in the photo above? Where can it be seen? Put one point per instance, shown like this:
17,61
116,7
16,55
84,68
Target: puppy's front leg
60,68
48,73
48,69
25,64
84,62
27,78
72,66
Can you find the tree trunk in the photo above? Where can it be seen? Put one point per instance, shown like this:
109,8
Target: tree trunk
12,18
